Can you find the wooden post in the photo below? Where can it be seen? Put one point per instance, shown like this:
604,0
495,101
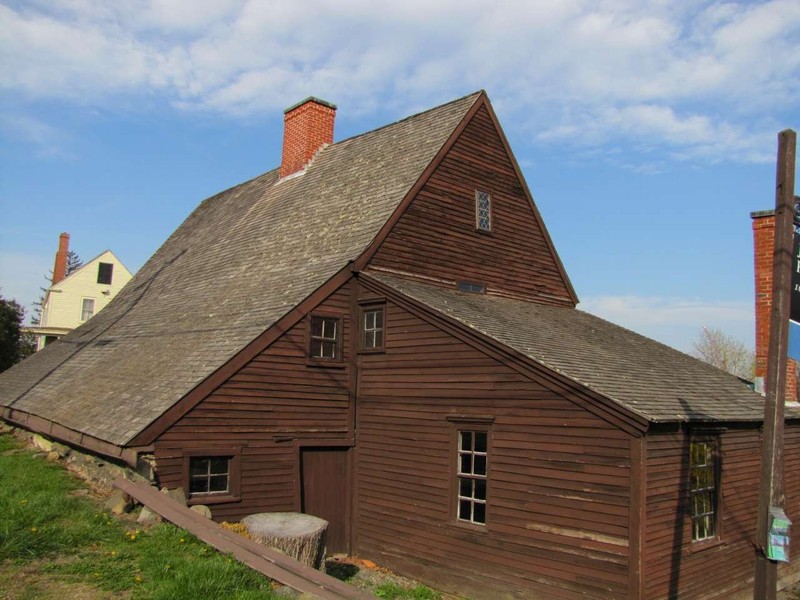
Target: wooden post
771,490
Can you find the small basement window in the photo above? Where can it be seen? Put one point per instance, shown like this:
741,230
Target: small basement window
472,471
702,489
209,474
372,328
105,272
483,211
325,338
87,309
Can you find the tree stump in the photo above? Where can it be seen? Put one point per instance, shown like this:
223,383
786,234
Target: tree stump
297,535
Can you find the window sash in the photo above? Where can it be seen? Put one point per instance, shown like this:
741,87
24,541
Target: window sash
483,210
702,489
372,329
209,475
472,476
87,309
324,338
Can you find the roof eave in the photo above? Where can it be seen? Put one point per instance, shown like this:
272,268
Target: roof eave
621,415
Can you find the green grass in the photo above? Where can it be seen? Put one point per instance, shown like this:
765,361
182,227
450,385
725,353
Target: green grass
43,519
393,591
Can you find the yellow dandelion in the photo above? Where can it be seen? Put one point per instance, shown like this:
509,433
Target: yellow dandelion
182,540
34,529
138,579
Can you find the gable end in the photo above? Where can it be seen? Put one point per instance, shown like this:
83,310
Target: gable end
471,217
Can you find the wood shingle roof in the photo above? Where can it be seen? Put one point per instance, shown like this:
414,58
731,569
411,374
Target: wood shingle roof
645,377
239,262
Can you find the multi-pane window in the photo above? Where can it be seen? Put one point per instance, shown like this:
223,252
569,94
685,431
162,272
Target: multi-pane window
372,329
209,474
483,210
87,309
702,490
325,337
472,472
105,272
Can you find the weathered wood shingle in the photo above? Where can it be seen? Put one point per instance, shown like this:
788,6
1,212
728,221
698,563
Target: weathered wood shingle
641,375
238,263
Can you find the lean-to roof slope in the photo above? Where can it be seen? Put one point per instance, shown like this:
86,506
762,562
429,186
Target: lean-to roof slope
237,264
645,377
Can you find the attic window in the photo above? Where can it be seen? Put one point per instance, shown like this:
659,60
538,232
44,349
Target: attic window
483,211
325,338
105,273
471,287
371,336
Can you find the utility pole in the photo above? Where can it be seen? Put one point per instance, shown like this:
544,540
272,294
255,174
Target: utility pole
771,489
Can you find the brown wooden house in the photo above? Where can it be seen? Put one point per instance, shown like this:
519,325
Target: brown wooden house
380,332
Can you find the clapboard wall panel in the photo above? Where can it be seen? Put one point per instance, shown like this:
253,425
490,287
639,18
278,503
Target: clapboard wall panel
558,475
437,237
276,398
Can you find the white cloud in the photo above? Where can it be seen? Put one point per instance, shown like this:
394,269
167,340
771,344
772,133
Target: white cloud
48,140
702,79
676,322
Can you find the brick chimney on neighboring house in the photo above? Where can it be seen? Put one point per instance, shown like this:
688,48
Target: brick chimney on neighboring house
307,127
764,247
60,267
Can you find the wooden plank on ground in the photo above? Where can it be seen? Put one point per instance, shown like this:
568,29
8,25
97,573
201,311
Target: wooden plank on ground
263,559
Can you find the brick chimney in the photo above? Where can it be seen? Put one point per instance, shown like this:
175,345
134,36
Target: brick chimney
764,248
307,127
60,266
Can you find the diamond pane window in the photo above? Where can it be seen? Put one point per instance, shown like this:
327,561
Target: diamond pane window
702,490
483,210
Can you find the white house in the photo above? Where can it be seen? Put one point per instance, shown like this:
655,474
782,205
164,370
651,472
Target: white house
75,298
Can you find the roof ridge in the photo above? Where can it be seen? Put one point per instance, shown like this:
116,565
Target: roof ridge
410,117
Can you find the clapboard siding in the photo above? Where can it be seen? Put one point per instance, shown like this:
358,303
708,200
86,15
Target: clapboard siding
558,513
276,397
676,566
436,236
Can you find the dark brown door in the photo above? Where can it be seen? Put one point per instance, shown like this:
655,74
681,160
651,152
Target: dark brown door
324,475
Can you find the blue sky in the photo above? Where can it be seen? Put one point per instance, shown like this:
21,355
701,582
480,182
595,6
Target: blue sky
646,130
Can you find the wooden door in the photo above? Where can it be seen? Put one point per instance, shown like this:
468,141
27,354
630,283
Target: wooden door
324,491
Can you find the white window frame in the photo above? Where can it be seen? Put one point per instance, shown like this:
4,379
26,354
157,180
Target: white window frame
83,309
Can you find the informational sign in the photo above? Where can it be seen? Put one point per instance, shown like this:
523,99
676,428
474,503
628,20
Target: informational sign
779,523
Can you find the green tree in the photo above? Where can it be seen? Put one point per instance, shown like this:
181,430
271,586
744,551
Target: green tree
725,352
14,345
